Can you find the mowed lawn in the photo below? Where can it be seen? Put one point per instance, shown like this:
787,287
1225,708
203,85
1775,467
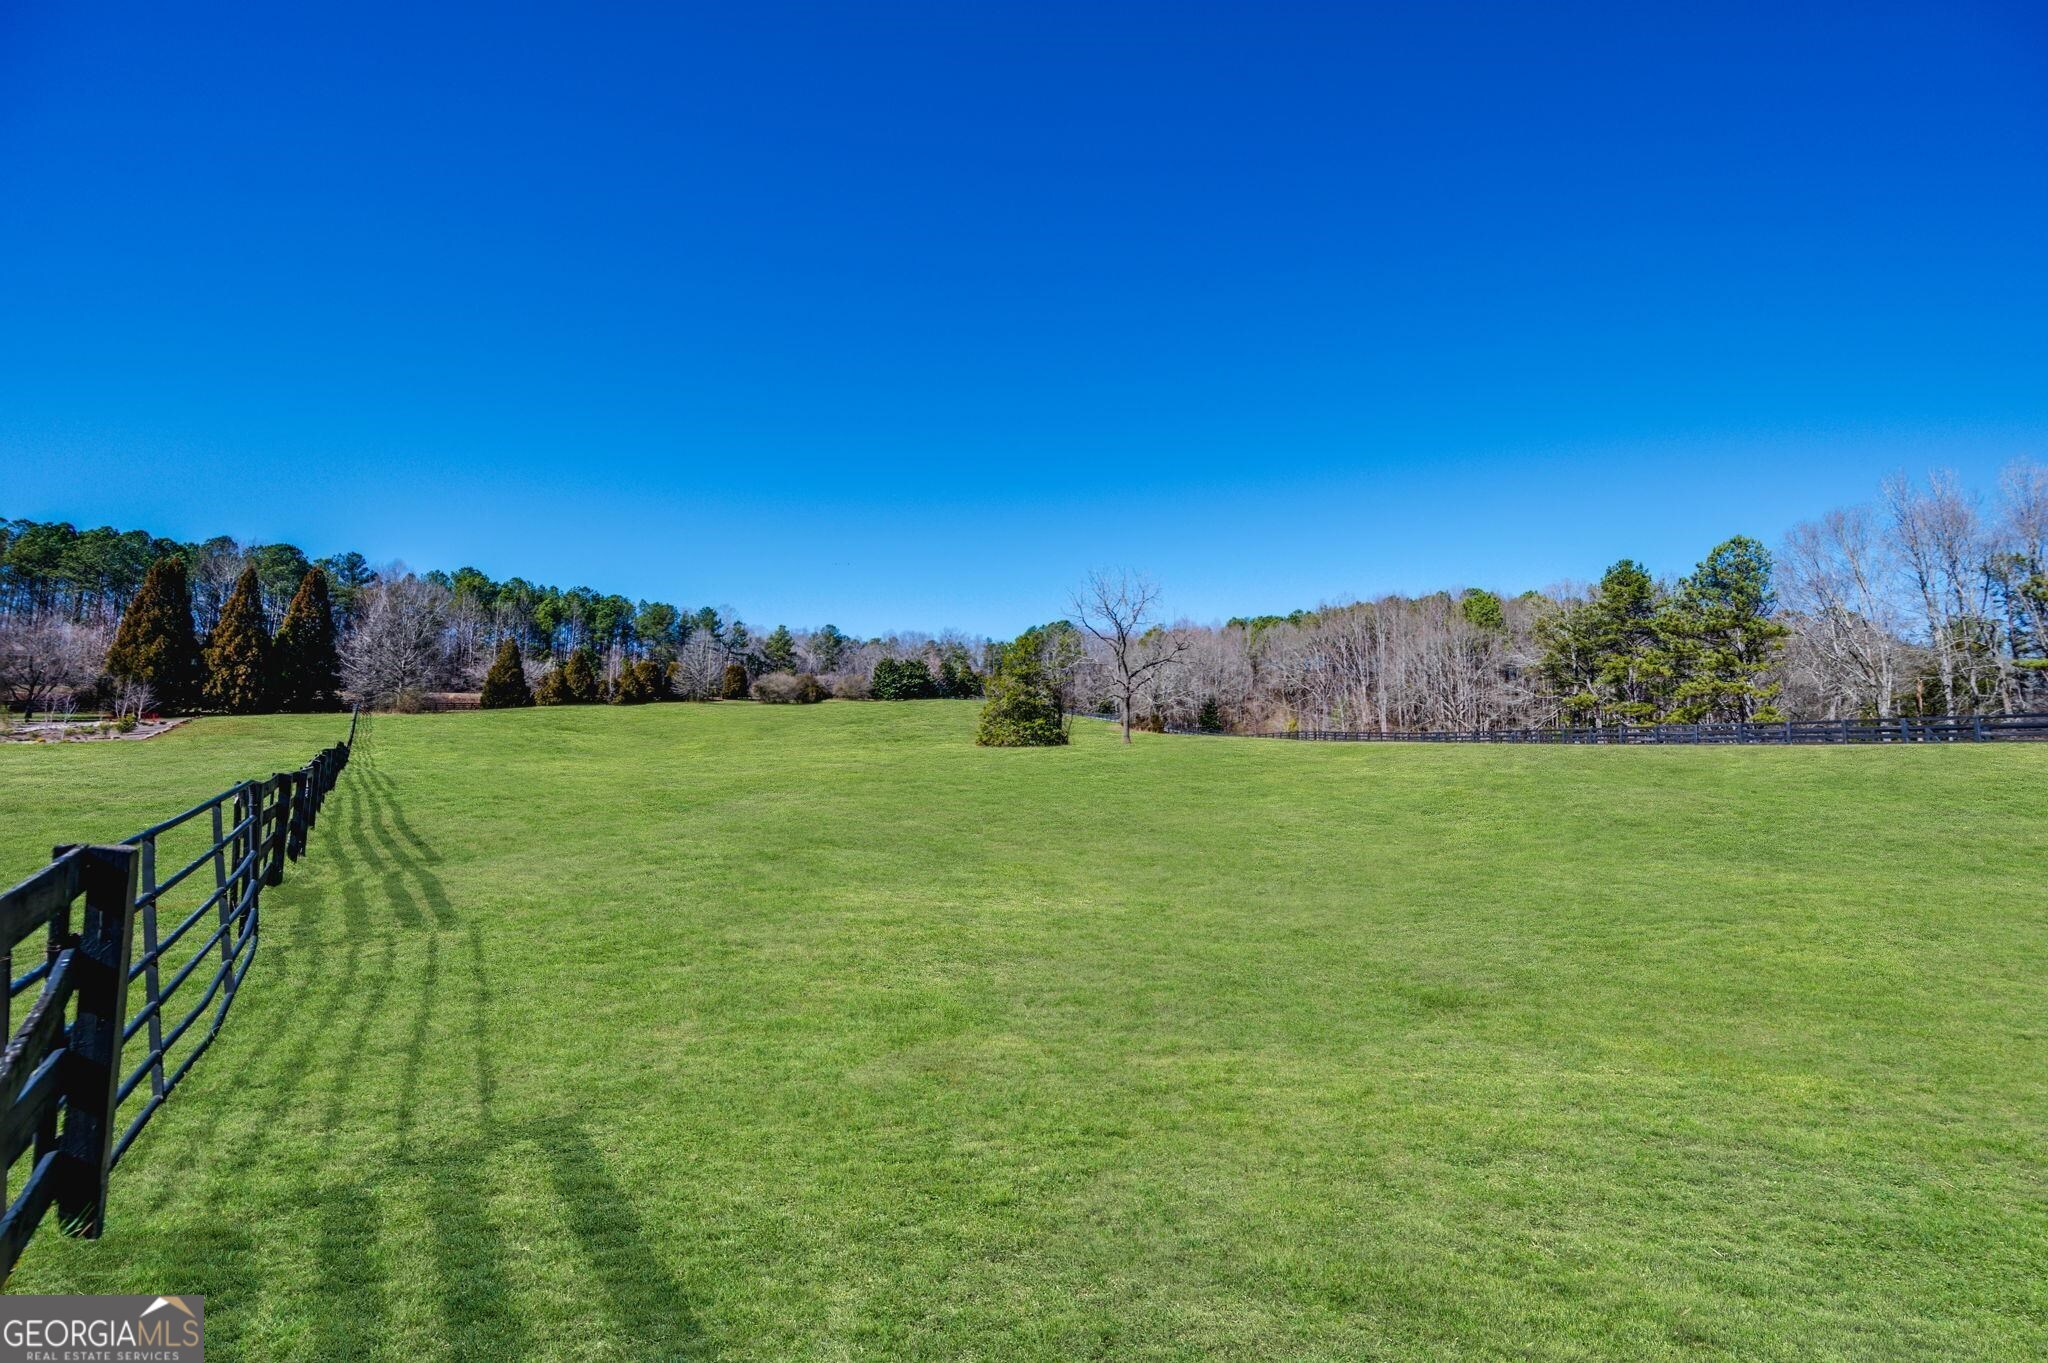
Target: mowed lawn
732,1031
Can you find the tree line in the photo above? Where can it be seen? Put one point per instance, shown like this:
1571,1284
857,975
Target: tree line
1931,599
224,635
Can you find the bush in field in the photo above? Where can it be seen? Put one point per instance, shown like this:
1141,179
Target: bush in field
734,686
848,685
505,684
238,661
641,682
787,688
1023,709
903,679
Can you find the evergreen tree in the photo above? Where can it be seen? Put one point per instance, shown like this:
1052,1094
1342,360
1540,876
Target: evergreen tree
505,684
155,644
1607,659
640,683
734,685
239,668
1482,608
553,688
1210,718
1634,665
308,663
1023,709
1720,632
828,646
579,676
574,682
778,650
903,679
957,677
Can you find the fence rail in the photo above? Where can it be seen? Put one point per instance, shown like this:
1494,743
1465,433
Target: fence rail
1923,729
62,1085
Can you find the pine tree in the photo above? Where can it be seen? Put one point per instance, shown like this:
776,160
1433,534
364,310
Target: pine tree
155,644
1210,719
505,684
828,646
778,650
1483,609
308,663
1608,659
239,669
1720,630
1635,664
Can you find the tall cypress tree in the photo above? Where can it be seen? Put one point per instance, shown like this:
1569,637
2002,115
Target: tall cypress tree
505,684
155,644
308,663
239,677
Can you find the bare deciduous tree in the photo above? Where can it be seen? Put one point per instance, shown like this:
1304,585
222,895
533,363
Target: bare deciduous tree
1836,574
1116,608
394,652
41,656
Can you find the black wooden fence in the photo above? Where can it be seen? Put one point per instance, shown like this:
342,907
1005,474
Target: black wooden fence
63,1092
1925,729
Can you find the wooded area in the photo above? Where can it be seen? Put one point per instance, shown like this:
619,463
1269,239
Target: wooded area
1933,599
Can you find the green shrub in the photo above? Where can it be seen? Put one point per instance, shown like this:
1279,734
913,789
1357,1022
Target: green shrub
734,686
1210,719
903,679
1023,709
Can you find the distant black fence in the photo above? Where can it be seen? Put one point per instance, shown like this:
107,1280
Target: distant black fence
1925,729
62,1087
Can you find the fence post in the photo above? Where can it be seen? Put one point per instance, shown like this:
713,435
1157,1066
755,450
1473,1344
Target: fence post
279,788
93,1049
150,976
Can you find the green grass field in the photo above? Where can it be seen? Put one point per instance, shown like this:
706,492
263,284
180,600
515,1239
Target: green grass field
771,1033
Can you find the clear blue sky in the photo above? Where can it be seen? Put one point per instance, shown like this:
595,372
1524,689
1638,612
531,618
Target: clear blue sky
907,316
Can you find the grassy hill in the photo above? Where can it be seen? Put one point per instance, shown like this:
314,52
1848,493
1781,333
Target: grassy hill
771,1033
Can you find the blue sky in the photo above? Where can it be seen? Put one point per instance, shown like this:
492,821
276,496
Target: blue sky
905,316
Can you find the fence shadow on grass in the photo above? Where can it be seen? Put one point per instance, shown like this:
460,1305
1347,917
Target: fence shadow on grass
365,1100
